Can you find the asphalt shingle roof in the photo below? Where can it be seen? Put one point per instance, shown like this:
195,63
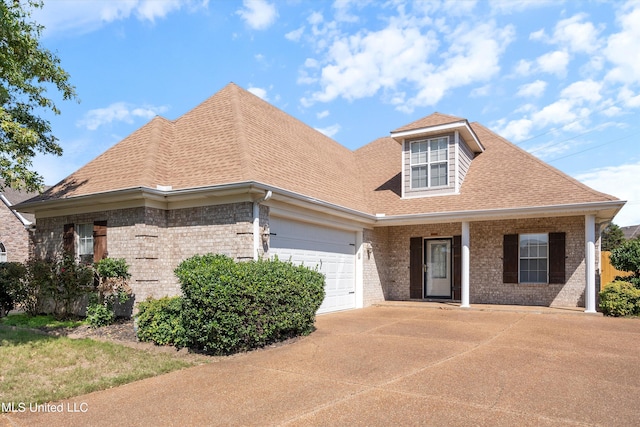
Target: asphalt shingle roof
235,136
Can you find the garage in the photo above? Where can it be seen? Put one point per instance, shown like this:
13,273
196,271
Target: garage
331,249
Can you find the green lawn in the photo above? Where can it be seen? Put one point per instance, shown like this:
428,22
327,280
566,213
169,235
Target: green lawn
36,368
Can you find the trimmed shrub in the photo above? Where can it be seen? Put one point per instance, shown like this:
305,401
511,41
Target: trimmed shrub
113,267
620,299
12,286
230,307
159,321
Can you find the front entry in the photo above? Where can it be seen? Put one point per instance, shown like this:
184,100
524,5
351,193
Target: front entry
437,271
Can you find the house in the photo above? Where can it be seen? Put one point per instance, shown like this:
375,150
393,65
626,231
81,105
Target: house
631,231
14,227
439,209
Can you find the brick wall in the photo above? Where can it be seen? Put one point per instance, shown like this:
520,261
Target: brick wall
155,241
390,265
374,265
13,235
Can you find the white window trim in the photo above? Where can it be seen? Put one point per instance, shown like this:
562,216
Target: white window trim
3,253
428,163
520,259
79,239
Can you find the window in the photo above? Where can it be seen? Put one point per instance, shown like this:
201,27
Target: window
429,163
3,253
85,239
534,250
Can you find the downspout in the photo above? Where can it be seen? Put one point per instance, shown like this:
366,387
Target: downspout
256,224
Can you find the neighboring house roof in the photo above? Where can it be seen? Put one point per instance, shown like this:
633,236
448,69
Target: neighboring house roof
631,231
236,137
11,197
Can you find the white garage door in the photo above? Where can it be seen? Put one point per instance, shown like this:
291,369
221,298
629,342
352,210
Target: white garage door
332,250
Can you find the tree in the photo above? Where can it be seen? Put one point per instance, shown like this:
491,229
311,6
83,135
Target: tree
27,71
612,237
626,257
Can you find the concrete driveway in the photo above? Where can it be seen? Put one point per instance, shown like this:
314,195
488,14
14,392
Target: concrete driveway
397,365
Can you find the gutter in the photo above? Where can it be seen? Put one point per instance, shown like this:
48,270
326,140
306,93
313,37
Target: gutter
165,195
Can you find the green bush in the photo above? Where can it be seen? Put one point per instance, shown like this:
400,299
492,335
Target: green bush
12,286
56,286
159,321
98,314
620,299
113,267
230,307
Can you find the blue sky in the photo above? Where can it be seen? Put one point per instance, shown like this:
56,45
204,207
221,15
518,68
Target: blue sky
561,79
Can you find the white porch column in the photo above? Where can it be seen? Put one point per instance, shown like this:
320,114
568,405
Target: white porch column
465,265
590,263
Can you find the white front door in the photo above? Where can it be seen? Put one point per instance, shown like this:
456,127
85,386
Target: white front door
438,268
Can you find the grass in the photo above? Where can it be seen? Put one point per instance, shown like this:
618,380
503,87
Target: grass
37,368
41,321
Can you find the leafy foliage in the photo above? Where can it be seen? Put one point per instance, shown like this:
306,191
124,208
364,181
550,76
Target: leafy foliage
230,307
612,237
12,286
99,314
56,286
113,267
27,71
160,321
620,299
626,257
112,289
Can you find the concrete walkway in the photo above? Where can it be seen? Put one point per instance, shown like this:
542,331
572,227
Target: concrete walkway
397,365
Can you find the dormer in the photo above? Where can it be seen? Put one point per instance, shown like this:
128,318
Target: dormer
437,151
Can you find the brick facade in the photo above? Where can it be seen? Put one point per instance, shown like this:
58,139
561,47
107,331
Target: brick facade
155,241
388,265
13,235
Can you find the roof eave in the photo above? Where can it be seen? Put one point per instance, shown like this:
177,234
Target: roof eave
462,126
604,212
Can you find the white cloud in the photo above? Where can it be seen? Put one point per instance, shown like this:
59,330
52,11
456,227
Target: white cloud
532,90
619,181
295,35
322,114
622,47
258,14
80,16
629,98
400,58
554,62
330,131
512,6
523,68
259,92
585,90
577,35
515,130
118,112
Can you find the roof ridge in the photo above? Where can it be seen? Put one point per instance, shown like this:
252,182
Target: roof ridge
150,167
546,165
241,137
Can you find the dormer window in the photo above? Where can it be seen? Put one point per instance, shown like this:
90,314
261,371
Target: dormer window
429,163
437,152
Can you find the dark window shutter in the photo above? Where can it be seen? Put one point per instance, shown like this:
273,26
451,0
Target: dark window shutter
557,257
69,239
457,267
99,240
510,258
416,262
